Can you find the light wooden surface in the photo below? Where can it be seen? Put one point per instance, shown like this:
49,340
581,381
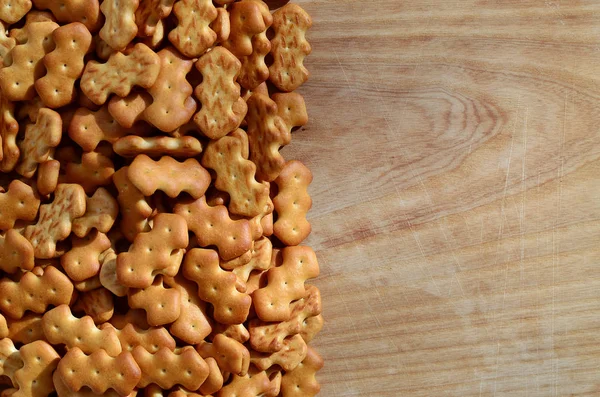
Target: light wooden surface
456,152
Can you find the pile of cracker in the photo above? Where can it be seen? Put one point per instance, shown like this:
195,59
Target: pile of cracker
150,229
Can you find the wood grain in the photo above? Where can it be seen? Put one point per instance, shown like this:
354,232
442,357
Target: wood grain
456,153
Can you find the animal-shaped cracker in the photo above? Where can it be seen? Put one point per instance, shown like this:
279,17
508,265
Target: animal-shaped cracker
222,107
120,73
24,63
101,211
99,371
169,176
132,145
26,329
301,381
172,104
47,177
254,70
40,138
151,339
235,175
34,292
267,132
167,368
213,226
119,27
289,47
292,202
162,305
86,12
247,18
54,222
12,11
269,337
34,379
158,251
135,209
288,358
192,325
261,252
97,303
82,261
64,65
6,43
216,286
61,327
10,359
16,252
230,354
94,170
193,36
285,284
9,128
247,385
88,128
150,13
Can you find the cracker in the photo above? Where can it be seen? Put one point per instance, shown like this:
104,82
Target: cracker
231,355
135,209
12,11
247,18
162,305
16,252
39,141
86,12
97,303
150,13
247,385
9,128
101,210
26,329
47,177
152,339
119,26
289,47
82,261
301,382
193,36
222,107
180,147
94,170
35,377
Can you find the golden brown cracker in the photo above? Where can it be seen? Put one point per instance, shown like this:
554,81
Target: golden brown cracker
119,26
193,36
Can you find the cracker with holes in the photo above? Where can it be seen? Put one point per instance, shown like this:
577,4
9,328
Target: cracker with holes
292,203
151,339
24,62
86,12
167,368
291,108
267,133
169,176
247,385
64,65
179,147
34,292
140,67
101,210
35,377
222,108
150,13
9,128
289,47
301,381
99,371
192,325
162,305
88,128
26,329
119,25
270,337
12,11
285,284
216,286
54,222
39,141
193,36
94,170
135,209
235,175
129,110
62,327
213,226
16,252
247,18
82,261
231,355
158,251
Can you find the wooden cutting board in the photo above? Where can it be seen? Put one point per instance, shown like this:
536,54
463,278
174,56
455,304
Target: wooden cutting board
455,147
